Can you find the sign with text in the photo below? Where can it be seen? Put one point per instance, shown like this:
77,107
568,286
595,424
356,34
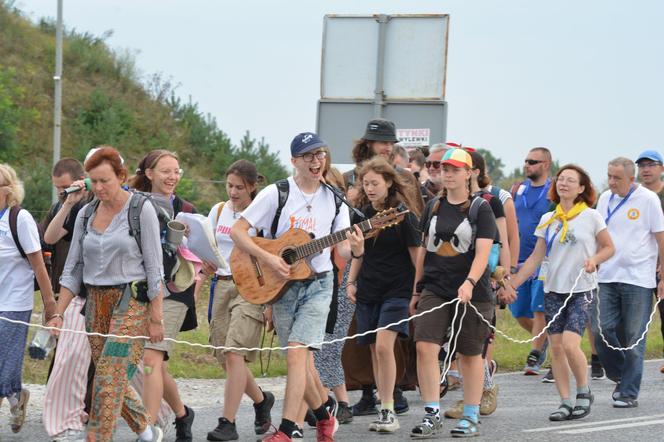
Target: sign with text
414,137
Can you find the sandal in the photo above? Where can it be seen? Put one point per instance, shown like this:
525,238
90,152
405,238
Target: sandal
563,413
466,427
581,411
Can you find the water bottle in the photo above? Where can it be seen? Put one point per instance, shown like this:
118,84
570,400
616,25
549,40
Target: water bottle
42,344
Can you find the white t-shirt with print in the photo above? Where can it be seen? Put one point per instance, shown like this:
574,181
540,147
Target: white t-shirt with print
632,229
320,220
566,259
503,194
222,232
16,275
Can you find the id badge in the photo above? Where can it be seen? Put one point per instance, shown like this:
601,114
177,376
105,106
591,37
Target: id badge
544,270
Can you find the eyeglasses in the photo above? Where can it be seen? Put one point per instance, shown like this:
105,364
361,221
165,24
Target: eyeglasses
644,165
434,164
309,156
177,172
533,162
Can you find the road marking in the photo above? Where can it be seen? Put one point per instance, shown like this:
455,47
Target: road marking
612,427
590,424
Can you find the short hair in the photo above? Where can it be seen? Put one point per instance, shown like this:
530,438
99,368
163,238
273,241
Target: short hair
626,163
9,179
110,155
417,157
545,151
401,151
68,165
438,147
588,196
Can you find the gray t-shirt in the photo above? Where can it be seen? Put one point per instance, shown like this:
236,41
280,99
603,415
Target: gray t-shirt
113,257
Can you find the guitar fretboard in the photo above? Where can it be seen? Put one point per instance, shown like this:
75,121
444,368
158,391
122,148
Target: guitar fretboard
320,244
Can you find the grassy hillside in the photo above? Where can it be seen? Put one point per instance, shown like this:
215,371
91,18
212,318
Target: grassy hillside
104,101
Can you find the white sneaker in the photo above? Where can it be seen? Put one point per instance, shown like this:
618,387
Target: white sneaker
157,435
70,436
388,422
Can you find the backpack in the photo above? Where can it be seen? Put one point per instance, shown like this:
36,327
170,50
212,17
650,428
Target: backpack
283,188
13,228
473,212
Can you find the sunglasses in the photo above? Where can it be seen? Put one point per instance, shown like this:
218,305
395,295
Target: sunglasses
434,164
533,162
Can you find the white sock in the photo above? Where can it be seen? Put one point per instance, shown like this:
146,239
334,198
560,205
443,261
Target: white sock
146,434
13,399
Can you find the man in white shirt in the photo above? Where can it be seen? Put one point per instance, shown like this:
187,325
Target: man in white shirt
634,218
301,313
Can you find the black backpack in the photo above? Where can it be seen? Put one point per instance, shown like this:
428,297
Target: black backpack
13,228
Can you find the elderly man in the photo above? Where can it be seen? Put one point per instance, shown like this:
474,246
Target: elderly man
435,182
635,221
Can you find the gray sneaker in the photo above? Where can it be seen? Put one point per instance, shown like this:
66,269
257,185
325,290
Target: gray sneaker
431,424
388,422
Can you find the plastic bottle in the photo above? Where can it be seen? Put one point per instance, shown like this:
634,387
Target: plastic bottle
42,344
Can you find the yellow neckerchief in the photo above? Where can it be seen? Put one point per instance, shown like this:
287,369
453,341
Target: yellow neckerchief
564,217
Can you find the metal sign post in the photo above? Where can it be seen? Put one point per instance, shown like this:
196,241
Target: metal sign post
57,78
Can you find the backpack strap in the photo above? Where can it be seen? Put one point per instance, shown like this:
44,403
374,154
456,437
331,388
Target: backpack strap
473,212
429,211
13,227
220,207
138,199
283,188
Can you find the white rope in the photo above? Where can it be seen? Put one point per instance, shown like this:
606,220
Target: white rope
223,347
454,338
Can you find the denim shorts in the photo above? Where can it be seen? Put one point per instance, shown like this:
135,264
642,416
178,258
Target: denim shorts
374,315
529,299
574,316
300,314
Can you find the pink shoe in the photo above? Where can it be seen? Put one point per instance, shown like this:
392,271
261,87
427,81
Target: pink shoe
279,436
325,429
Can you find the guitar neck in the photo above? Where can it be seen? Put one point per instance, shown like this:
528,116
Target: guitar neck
320,244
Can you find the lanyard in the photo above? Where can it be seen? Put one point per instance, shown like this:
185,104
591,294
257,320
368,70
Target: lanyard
3,212
549,241
609,212
545,189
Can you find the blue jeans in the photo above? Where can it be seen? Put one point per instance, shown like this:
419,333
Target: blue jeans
301,313
624,312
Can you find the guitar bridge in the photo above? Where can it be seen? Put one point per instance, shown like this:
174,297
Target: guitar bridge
258,270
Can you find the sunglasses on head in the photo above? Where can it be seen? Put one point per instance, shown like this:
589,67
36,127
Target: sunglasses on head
533,162
434,164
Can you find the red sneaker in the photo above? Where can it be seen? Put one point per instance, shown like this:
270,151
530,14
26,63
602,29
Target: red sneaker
279,436
325,429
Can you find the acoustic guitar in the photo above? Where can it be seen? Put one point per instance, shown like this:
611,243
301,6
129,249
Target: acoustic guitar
258,283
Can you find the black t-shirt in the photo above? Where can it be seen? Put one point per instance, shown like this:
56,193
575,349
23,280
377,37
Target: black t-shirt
449,251
387,270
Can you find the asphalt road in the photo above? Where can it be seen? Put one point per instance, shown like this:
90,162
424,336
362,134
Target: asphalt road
523,407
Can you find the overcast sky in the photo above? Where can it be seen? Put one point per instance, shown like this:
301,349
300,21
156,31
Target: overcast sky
584,78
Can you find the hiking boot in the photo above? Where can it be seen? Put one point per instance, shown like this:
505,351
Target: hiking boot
183,426
225,431
548,377
17,418
456,412
489,401
366,406
262,411
326,428
532,367
596,369
388,422
298,432
400,401
430,425
279,436
344,413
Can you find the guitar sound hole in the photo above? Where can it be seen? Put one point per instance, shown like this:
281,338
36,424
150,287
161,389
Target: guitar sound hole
290,256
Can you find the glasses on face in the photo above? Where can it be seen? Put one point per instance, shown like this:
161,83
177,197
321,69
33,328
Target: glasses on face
432,164
309,156
532,162
177,172
648,165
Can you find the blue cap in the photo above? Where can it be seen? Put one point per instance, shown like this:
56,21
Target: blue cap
650,155
305,142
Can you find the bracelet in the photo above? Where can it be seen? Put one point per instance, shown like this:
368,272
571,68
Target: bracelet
472,281
351,283
157,321
356,257
57,315
416,294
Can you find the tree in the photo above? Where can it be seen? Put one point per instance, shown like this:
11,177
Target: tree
494,165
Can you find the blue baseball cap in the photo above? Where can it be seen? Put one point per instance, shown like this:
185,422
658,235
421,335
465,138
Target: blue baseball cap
650,155
304,142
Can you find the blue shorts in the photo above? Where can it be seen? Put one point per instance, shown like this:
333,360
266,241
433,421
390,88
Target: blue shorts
372,316
529,299
300,314
573,318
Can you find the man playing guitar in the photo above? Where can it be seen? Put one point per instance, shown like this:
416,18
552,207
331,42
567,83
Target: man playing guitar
301,312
